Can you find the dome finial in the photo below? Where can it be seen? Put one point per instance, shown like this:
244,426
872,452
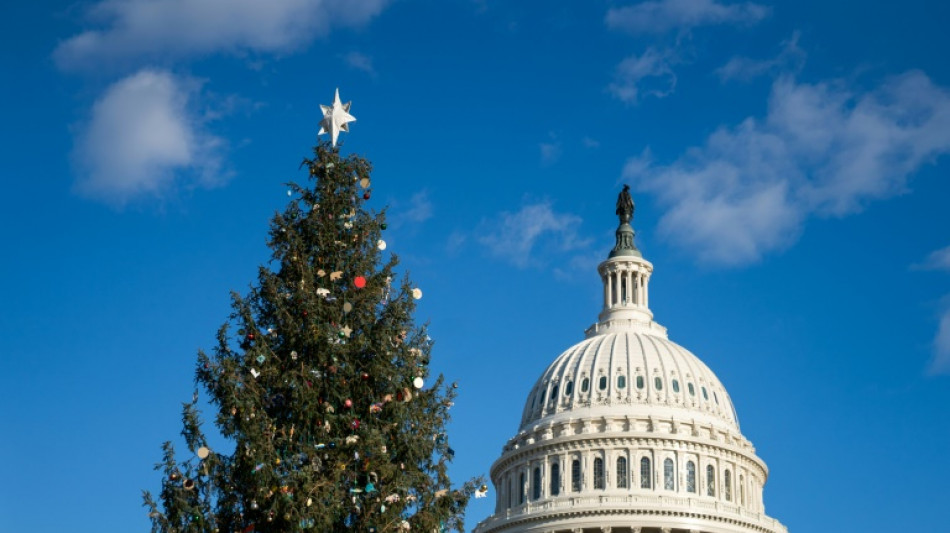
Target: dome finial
625,233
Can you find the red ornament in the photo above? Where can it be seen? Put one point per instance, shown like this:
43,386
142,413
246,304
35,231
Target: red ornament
348,403
360,282
250,336
364,376
366,196
355,424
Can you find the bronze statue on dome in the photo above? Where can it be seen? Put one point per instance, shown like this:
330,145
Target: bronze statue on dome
625,205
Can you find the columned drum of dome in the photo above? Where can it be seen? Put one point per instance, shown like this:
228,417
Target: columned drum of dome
627,431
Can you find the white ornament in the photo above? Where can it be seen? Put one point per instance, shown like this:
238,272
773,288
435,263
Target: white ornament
418,383
417,293
335,118
381,244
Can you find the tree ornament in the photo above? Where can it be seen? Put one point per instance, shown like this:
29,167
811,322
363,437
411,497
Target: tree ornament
383,226
417,293
364,183
336,118
366,195
293,355
188,484
348,403
359,281
254,505
203,452
418,382
381,244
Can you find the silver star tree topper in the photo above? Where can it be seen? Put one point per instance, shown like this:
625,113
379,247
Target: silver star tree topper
335,118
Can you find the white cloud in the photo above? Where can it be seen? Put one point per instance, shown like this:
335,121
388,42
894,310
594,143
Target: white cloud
550,152
161,29
649,74
821,150
940,364
515,236
418,210
791,58
361,62
143,139
663,15
937,260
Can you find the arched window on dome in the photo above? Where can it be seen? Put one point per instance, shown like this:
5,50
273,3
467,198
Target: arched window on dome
676,386
555,479
576,475
710,481
621,382
741,490
669,482
599,474
716,397
569,388
621,472
646,473
692,391
727,485
602,383
536,484
585,384
554,392
639,382
690,477
658,383
510,490
705,396
521,488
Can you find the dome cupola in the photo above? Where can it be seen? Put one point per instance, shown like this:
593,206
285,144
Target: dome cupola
628,432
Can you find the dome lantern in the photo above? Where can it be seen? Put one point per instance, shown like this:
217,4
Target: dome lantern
626,278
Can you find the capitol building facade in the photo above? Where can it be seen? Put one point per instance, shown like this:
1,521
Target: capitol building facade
627,431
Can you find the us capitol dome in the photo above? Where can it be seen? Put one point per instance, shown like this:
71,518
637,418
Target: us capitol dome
627,431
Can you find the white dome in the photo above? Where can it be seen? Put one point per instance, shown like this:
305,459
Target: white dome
627,431
630,373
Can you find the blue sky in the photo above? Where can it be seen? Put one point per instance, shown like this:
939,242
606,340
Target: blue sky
788,161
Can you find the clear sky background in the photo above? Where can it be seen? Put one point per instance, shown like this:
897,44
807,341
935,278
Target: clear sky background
789,163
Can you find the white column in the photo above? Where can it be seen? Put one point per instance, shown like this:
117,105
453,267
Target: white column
606,291
646,291
610,289
628,281
639,290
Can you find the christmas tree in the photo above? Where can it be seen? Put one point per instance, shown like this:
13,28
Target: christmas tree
320,380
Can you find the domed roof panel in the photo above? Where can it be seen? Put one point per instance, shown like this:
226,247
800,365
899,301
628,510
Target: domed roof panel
635,372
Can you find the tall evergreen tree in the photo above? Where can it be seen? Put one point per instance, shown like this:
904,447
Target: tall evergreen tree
320,379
